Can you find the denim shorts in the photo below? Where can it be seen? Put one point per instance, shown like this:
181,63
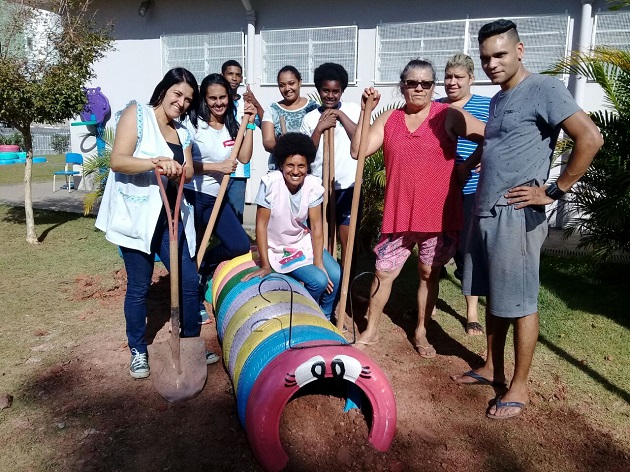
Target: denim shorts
343,206
502,259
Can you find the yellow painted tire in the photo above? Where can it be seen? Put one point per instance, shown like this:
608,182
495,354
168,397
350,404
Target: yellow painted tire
224,270
255,304
270,327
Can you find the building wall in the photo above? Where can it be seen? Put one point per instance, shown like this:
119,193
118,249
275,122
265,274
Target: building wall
132,71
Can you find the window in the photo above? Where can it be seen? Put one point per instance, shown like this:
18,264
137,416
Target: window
612,30
398,43
202,54
545,39
307,48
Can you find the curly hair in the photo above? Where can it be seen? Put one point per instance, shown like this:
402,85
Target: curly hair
290,144
330,71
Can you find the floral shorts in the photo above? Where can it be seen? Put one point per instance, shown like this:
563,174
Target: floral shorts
434,249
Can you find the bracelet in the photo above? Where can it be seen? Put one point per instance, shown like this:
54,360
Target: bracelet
250,126
554,192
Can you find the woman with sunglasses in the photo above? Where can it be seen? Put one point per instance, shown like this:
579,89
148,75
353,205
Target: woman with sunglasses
423,202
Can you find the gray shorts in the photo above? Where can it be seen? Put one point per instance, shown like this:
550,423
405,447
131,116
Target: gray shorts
502,260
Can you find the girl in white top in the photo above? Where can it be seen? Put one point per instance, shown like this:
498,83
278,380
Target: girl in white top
150,137
213,142
286,199
292,108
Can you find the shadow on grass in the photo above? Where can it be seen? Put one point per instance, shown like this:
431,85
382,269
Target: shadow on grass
50,218
592,373
585,287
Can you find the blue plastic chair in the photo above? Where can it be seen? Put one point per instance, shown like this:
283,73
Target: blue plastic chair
72,158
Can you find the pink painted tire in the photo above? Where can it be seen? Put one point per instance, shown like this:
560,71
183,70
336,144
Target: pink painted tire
291,370
235,270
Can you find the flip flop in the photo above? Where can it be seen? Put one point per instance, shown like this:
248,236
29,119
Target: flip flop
360,345
474,325
426,352
479,380
501,404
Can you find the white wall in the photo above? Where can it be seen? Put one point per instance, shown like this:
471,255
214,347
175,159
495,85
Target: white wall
133,70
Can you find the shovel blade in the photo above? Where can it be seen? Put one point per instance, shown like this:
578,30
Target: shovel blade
176,385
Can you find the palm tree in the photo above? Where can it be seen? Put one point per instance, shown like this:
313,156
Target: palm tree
97,166
601,201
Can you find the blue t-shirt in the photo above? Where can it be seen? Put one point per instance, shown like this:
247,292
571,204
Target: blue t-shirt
520,138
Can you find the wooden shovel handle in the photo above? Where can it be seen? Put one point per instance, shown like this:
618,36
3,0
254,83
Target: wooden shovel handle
217,204
326,182
173,223
332,203
283,125
356,195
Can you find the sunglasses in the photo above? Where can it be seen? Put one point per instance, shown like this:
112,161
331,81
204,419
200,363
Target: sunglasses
425,84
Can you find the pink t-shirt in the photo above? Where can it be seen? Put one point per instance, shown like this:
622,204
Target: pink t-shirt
421,189
288,236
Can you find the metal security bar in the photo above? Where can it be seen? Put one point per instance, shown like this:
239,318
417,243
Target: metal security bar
202,54
545,38
612,30
307,48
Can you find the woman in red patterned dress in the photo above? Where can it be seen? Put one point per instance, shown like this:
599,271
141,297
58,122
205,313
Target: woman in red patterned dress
423,205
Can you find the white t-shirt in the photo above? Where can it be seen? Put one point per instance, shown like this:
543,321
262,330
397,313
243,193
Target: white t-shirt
210,146
345,166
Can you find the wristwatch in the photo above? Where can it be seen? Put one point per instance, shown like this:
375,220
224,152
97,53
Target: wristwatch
554,192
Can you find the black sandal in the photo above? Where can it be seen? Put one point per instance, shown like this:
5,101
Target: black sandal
474,325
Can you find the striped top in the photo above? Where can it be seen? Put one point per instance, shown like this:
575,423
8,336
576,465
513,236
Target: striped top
478,106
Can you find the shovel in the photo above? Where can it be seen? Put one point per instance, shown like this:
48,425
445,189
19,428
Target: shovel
354,212
178,365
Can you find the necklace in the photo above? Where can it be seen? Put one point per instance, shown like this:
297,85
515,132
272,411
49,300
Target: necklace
501,95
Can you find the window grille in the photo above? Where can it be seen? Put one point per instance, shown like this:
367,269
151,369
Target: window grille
398,43
612,30
307,48
545,39
202,54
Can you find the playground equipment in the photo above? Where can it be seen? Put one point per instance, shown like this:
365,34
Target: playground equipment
275,341
95,114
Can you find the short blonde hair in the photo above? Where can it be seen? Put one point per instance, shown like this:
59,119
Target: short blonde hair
461,60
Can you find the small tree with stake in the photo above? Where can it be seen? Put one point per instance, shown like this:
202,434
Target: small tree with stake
46,58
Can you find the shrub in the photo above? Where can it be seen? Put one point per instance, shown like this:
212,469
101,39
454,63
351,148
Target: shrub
13,138
60,143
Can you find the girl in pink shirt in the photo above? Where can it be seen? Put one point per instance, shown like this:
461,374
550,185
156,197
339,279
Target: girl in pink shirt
286,199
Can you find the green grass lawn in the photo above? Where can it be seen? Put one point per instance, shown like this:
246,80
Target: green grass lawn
581,360
584,343
42,172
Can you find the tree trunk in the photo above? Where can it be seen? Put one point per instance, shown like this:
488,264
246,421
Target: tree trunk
31,236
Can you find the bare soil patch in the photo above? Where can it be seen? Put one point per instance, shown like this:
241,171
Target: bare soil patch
85,413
